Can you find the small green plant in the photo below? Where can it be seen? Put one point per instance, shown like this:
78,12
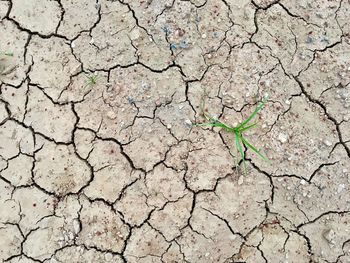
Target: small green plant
91,80
9,54
238,131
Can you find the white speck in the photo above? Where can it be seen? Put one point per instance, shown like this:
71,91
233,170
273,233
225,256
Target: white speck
282,137
111,115
188,122
169,126
91,41
204,36
327,143
240,180
108,256
287,102
145,86
341,187
72,44
233,237
302,182
207,254
76,226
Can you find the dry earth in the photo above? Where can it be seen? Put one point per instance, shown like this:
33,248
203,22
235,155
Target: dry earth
115,172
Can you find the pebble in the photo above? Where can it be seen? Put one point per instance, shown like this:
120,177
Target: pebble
282,137
329,235
108,256
327,143
188,122
302,182
341,187
204,36
240,180
111,115
76,226
145,86
169,126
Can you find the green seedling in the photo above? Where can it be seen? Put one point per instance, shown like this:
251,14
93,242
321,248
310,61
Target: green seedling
9,54
238,131
91,80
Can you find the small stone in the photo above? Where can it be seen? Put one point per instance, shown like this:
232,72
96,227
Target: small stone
282,137
302,182
327,143
188,122
75,70
168,126
240,180
204,36
111,115
341,188
207,254
76,226
329,235
108,256
145,86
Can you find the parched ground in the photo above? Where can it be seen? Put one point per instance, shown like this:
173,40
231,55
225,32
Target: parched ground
114,171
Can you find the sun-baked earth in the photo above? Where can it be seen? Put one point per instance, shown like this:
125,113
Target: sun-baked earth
100,162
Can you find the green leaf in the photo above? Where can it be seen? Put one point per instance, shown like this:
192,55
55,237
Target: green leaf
254,113
238,139
246,143
247,128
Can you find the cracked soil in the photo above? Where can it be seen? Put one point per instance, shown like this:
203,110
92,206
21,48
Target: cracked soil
114,171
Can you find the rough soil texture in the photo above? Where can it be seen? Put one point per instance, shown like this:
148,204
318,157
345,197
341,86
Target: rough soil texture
114,171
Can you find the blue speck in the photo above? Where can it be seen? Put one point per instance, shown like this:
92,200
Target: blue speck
184,44
166,30
172,46
325,39
131,100
309,40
